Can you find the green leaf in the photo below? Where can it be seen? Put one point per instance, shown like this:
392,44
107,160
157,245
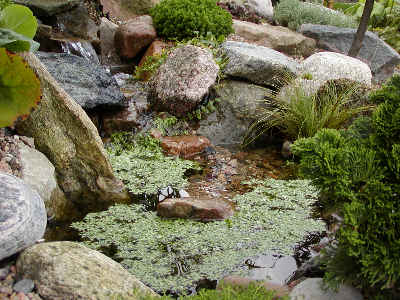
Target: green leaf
19,88
16,42
20,19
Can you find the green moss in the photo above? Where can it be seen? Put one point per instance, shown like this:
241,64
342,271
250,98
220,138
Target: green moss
174,254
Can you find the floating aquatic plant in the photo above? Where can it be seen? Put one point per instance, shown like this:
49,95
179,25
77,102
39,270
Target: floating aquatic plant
174,254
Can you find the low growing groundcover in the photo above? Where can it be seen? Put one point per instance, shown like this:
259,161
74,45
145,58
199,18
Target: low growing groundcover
172,255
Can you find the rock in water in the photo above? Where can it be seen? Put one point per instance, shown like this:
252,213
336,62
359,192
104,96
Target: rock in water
22,215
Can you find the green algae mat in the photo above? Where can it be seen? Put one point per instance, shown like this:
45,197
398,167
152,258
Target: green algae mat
172,255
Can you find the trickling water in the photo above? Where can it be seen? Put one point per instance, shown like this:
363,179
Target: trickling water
81,48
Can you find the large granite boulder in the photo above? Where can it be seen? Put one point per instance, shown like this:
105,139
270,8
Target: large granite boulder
279,38
40,174
257,64
48,8
240,104
22,215
184,79
127,9
312,288
90,85
67,270
134,36
381,58
65,134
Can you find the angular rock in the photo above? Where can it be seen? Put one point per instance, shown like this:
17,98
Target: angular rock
78,23
90,85
134,36
312,288
64,133
201,209
39,173
24,286
259,65
381,58
48,8
22,215
325,66
67,270
127,9
184,146
109,55
279,38
181,83
240,104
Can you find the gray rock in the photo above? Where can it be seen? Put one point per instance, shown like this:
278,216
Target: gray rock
312,288
181,83
263,8
24,286
78,23
381,58
22,215
279,38
109,55
47,8
64,133
67,270
278,273
90,85
40,174
325,66
240,104
257,64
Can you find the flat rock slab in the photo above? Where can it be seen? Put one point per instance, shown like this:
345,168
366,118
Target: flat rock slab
48,8
90,85
282,269
67,270
185,146
257,64
312,288
23,216
201,209
381,58
279,38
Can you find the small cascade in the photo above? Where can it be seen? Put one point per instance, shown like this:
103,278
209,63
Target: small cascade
81,48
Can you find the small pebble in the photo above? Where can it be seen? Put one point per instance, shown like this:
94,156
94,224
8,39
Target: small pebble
24,286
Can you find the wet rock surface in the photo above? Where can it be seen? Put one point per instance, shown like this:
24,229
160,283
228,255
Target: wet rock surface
185,146
47,8
90,85
200,209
